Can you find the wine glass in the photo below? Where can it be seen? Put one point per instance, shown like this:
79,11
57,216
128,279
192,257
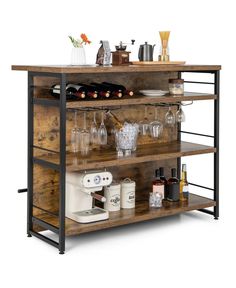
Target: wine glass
75,135
102,132
84,138
156,127
144,124
94,130
180,115
170,118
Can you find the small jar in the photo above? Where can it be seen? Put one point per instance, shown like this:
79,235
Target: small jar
127,194
112,194
176,86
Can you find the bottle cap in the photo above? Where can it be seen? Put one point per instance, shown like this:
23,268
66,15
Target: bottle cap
157,173
161,171
173,172
184,167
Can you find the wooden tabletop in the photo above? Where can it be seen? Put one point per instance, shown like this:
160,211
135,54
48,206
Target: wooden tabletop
113,69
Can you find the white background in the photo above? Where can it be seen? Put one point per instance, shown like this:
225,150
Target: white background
184,251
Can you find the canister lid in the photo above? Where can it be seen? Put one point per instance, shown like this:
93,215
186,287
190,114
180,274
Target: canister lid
128,182
179,81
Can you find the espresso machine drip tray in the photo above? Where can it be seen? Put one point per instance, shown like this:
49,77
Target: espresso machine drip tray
90,215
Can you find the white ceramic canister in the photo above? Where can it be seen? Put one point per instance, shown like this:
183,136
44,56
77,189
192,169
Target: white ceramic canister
112,194
128,193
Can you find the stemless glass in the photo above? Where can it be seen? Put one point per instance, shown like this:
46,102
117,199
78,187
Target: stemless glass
170,118
75,133
102,132
144,124
84,139
180,115
94,130
156,127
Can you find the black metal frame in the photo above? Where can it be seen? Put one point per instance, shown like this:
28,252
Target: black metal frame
216,84
34,160
61,167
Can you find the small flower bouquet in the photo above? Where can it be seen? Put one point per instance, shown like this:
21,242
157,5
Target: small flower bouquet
79,42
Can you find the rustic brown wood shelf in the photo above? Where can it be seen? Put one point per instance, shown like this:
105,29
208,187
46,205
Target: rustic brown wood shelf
50,122
140,99
141,212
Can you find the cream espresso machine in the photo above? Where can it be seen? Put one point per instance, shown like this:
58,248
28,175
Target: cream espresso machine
80,194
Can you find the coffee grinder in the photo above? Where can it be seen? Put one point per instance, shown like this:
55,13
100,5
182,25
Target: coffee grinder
121,56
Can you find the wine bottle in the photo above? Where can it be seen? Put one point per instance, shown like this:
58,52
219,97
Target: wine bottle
113,91
116,122
90,91
158,185
172,186
121,88
72,93
100,92
184,187
163,178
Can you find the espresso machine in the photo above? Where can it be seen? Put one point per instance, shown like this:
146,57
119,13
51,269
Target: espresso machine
81,193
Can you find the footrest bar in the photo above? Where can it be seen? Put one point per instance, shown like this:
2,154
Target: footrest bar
45,239
22,190
206,211
45,225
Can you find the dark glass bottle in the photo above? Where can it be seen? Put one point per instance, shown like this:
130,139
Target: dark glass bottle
120,87
158,185
90,91
173,186
163,178
72,92
113,90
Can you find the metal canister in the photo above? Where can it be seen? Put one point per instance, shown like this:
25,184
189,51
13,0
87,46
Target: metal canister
112,194
128,193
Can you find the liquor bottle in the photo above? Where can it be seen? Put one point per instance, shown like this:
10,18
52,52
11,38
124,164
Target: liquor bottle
172,186
90,91
120,87
116,122
184,187
158,185
113,90
72,93
163,178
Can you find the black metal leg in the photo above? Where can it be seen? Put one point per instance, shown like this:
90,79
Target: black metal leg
62,164
216,142
30,155
179,139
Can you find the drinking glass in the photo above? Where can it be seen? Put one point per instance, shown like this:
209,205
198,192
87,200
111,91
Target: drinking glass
170,118
155,200
102,132
180,115
94,130
156,127
84,139
144,124
75,135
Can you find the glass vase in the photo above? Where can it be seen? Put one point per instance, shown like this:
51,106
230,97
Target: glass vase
78,56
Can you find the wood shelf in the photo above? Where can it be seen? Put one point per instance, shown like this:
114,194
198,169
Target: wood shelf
98,159
145,153
141,212
87,69
140,99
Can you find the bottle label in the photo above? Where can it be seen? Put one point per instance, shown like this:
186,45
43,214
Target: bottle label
173,191
56,89
159,189
185,191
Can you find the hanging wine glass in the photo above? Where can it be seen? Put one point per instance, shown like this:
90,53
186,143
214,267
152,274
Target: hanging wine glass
180,115
75,135
144,124
170,118
94,130
84,138
156,127
102,132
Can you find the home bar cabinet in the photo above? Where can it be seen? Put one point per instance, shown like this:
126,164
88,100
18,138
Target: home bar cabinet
50,121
